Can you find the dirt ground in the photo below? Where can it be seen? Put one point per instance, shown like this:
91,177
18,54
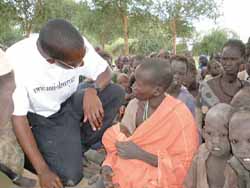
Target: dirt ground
28,174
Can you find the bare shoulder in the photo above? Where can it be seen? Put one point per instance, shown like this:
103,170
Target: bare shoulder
231,179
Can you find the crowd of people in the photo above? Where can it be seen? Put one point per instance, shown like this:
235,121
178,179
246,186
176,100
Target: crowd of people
141,121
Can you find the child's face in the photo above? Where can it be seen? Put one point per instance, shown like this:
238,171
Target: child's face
216,136
239,135
215,69
179,71
124,82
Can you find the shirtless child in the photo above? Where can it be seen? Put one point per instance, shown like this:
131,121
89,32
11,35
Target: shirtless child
238,169
207,169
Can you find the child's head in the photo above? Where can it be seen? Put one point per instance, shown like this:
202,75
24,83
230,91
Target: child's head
123,80
239,135
241,98
137,60
191,73
215,131
203,61
118,62
153,77
214,68
163,54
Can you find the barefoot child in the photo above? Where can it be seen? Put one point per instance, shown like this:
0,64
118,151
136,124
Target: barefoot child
207,169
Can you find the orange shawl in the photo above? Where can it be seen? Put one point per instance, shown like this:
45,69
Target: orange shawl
170,133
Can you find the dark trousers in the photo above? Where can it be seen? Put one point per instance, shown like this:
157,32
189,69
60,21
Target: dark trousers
62,141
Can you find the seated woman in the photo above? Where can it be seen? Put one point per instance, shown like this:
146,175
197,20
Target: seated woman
157,137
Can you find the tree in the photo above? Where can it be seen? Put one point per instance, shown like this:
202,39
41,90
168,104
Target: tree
213,42
180,14
9,32
100,24
123,9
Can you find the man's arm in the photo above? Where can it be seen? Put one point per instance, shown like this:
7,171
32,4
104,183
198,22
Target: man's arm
28,144
104,78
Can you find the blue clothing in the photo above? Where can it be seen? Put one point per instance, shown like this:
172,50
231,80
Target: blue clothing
187,99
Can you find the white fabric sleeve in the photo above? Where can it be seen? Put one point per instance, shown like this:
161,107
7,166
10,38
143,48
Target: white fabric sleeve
21,101
94,64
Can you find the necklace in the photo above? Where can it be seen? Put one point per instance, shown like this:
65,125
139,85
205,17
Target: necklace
145,112
225,92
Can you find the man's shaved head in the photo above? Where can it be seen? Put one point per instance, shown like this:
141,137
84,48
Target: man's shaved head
59,38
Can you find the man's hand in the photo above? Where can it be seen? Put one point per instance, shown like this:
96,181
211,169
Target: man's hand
107,174
128,150
92,109
48,179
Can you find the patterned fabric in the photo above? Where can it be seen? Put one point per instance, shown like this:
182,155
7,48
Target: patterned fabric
207,97
11,154
169,133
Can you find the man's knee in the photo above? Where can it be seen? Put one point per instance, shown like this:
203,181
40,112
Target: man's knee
115,93
72,177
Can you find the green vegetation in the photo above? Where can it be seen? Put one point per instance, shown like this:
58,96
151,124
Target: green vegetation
118,26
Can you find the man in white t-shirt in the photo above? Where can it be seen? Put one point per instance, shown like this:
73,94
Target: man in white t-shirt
47,68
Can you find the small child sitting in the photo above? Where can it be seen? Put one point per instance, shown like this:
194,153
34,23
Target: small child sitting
238,169
207,169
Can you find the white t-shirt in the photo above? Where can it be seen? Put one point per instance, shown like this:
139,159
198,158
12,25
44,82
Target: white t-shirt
42,87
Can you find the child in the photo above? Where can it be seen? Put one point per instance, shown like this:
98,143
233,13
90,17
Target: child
207,169
238,169
214,69
242,98
123,81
